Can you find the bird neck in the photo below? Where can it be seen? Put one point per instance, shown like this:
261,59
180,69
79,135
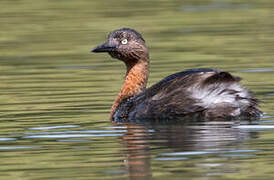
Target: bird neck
135,82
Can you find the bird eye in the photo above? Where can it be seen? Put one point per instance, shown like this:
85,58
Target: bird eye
124,41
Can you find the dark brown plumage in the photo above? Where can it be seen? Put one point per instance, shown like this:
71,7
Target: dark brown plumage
188,95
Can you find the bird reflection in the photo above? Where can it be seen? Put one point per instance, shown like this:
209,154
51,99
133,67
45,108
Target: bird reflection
144,142
137,145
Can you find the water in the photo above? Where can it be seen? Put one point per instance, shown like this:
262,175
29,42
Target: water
55,95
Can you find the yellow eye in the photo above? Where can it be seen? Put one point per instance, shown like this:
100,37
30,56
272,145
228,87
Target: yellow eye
124,41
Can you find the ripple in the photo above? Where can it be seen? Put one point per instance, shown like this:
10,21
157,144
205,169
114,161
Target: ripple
230,153
76,132
76,67
258,70
8,139
115,172
267,121
116,127
210,164
237,155
70,136
73,140
241,150
54,127
261,127
187,153
170,159
266,116
19,147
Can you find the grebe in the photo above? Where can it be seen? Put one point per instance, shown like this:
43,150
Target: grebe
194,93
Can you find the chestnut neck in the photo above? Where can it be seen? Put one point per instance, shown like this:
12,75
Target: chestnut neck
135,82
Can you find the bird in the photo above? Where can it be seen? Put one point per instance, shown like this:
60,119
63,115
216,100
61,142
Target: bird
193,94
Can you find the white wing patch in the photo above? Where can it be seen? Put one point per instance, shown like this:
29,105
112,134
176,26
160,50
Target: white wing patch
209,96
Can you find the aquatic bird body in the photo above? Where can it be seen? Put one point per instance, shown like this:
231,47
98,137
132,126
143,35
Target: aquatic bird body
195,94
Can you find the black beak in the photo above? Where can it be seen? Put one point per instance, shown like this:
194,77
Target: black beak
105,47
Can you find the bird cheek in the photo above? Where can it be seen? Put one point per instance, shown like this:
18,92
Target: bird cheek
115,55
112,54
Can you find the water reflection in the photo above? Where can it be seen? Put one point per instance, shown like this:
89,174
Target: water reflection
181,142
137,150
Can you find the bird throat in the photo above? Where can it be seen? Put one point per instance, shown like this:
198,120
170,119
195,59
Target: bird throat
135,82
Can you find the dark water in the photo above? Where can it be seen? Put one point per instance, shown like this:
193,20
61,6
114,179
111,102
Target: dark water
55,95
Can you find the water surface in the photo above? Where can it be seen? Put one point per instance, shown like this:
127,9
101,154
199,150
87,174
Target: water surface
56,96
